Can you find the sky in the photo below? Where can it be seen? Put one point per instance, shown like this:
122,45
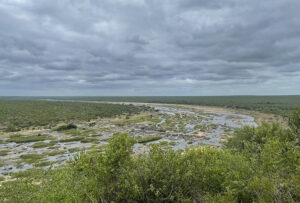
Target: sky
149,47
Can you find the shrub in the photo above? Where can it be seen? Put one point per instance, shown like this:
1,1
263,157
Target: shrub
147,139
66,127
33,138
11,128
257,165
43,144
4,152
294,122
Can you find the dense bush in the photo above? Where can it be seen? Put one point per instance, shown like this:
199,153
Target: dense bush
281,105
256,165
66,127
17,114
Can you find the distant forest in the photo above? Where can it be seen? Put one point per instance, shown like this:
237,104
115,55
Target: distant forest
280,105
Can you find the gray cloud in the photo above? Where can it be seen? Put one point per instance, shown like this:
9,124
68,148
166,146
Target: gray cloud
149,47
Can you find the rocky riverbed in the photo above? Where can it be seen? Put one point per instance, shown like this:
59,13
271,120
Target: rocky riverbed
167,126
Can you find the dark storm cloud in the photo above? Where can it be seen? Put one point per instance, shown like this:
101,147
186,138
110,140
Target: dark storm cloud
149,47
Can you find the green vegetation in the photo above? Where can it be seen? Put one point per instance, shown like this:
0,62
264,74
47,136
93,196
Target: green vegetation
212,126
66,127
200,127
80,132
73,139
33,138
32,174
75,149
11,128
233,117
43,144
3,152
54,153
140,118
146,139
177,123
31,158
2,178
1,164
43,163
281,105
163,144
16,114
256,165
89,139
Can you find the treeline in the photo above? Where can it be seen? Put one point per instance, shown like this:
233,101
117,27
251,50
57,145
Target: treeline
17,114
280,105
257,165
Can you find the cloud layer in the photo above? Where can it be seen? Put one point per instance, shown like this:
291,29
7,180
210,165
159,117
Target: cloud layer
149,47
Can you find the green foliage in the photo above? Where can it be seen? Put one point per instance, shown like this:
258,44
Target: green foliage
73,139
43,163
16,114
33,138
43,144
274,155
257,165
281,105
3,152
146,139
75,149
66,127
294,122
54,153
31,158
11,128
89,139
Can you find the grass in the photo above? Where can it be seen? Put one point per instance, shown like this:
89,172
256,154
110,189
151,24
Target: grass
89,139
147,139
43,144
4,152
234,117
17,138
200,127
1,164
53,147
2,178
75,149
54,153
98,148
66,127
31,158
43,163
72,132
212,126
73,139
30,173
80,132
164,144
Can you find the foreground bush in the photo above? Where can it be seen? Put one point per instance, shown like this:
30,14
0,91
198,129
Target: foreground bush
257,165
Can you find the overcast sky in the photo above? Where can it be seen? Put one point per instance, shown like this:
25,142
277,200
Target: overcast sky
149,47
